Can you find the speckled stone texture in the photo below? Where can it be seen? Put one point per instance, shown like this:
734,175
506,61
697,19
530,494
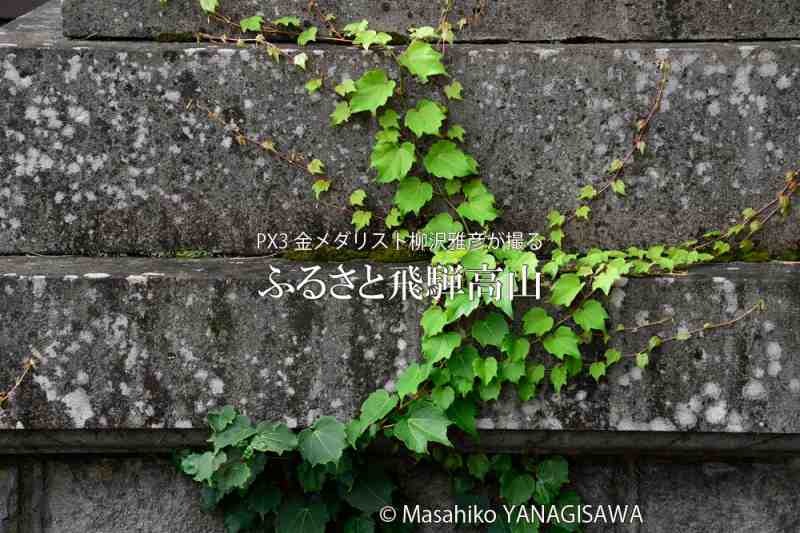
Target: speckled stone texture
101,156
512,20
130,343
157,343
687,497
105,495
8,496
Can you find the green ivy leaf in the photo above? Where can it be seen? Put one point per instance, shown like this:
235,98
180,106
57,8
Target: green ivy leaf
389,119
618,186
642,359
313,86
456,132
517,489
341,114
323,442
446,160
583,212
563,342
612,272
316,166
357,197
209,6
320,186
441,346
412,377
512,370
557,236
565,289
423,424
555,219
615,166
361,219
221,418
459,306
434,319
462,413
490,391
392,161
273,437
203,466
422,60
295,516
591,316
307,36
553,472
354,28
519,349
425,119
558,377
373,90
300,60
234,434
587,193
287,22
412,195
252,23
312,478
453,91
485,369
480,209
394,218
597,370
391,136
346,87
612,356
369,37
231,476
371,492
442,223
443,397
537,322
491,330
379,404
478,465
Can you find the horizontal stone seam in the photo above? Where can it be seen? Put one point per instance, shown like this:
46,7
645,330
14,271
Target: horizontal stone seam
567,44
570,442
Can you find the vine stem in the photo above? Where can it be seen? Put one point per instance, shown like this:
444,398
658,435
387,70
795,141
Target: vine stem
27,367
789,189
759,306
643,127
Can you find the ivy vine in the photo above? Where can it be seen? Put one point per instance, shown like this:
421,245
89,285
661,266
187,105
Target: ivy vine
326,478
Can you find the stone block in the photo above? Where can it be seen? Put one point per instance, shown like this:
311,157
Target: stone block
153,343
506,20
101,156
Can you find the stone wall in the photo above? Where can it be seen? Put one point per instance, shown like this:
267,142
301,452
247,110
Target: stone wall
100,157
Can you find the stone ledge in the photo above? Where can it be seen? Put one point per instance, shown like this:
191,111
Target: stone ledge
512,20
125,348
668,445
106,159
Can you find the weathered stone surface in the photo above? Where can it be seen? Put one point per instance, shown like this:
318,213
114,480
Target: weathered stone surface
515,20
8,497
743,379
100,495
123,347
100,154
95,495
154,343
690,497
